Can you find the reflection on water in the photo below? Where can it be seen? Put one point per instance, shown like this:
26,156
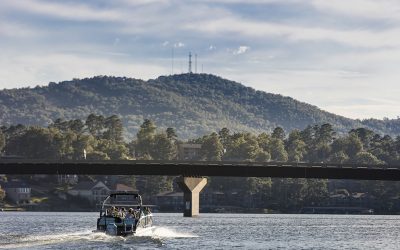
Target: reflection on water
22,230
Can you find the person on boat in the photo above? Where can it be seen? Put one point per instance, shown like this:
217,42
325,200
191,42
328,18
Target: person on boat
122,213
129,214
114,212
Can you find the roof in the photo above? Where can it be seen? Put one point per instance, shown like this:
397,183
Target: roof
14,184
123,187
171,194
85,185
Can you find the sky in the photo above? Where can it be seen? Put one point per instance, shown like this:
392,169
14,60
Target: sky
342,56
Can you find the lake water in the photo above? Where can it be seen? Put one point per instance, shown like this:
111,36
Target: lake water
40,230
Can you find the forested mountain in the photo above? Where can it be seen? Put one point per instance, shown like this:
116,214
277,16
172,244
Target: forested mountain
194,104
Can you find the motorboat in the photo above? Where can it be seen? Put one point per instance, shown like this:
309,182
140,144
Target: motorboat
123,214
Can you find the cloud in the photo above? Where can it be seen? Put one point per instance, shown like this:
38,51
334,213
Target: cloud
371,9
39,69
241,50
10,29
263,29
179,45
116,41
77,12
323,52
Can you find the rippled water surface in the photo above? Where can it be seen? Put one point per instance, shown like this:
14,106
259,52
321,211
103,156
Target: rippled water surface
38,230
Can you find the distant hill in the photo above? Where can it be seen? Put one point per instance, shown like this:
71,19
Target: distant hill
194,104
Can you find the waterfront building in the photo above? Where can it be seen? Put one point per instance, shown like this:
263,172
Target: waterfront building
17,191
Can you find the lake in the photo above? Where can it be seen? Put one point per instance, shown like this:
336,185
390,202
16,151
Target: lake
51,230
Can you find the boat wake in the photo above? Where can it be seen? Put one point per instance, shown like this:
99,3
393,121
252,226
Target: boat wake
163,232
155,235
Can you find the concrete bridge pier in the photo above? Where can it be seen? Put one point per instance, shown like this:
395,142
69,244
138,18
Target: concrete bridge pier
191,187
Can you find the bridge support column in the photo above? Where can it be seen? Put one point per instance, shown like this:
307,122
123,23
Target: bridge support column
191,188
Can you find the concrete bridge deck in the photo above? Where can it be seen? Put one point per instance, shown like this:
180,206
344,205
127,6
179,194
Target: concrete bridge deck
204,168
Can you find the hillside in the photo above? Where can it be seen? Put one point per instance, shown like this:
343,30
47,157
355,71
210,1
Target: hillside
194,104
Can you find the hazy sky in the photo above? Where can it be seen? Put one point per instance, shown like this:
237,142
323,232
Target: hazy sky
343,56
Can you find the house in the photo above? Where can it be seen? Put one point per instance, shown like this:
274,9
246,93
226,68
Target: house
122,188
67,179
95,193
189,151
170,201
17,191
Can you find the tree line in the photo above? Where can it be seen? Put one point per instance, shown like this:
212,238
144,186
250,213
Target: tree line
101,138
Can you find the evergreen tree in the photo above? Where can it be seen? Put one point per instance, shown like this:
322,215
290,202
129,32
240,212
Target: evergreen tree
2,141
145,138
212,148
164,148
278,133
95,125
114,129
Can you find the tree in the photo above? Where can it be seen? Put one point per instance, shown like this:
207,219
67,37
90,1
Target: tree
278,133
354,146
114,129
314,191
224,136
249,149
36,142
115,151
366,158
156,184
365,136
145,137
324,134
164,148
2,141
339,157
95,125
212,148
278,152
171,134
2,194
296,148
83,143
263,140
263,156
258,185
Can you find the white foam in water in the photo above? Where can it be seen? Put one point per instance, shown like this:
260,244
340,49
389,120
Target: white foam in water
156,233
39,240
163,232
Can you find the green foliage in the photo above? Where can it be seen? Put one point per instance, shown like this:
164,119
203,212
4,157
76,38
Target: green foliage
2,194
2,141
278,152
145,137
278,133
195,104
164,147
314,191
366,158
101,139
212,148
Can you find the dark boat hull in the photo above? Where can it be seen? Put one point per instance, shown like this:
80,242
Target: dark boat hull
123,227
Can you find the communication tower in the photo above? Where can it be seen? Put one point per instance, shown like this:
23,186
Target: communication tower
195,63
190,62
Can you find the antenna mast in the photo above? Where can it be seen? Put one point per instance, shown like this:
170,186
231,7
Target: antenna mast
190,62
195,63
172,60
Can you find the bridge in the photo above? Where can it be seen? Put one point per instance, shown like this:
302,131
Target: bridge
192,173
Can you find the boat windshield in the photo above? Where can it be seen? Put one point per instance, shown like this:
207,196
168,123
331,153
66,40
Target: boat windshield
122,199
